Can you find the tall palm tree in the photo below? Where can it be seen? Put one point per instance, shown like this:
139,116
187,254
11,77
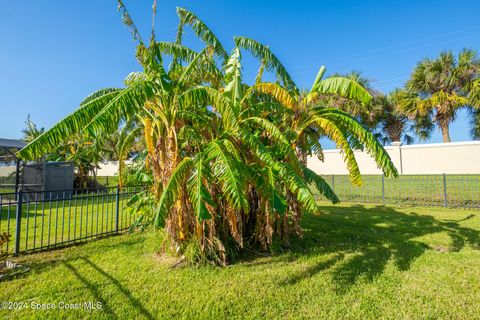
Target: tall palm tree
442,87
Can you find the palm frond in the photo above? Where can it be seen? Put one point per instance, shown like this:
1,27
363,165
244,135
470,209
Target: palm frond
258,77
320,184
272,63
177,51
125,105
284,171
200,64
354,128
228,170
70,125
344,87
475,124
134,77
202,31
277,137
207,96
127,21
172,189
276,91
339,136
200,197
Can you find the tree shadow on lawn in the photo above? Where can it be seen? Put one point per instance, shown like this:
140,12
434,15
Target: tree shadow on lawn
71,252
90,273
121,289
363,240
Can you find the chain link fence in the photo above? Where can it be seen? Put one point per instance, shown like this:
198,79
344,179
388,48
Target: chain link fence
443,190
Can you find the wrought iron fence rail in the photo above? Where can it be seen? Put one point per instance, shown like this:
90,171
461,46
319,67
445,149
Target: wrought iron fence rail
44,220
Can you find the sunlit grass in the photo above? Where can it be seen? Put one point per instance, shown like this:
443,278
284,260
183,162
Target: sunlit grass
355,262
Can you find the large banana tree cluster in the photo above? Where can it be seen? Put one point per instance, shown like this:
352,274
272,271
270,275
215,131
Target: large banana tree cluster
227,159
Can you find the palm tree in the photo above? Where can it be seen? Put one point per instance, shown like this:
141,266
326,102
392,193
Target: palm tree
475,124
392,125
223,155
442,87
474,97
31,131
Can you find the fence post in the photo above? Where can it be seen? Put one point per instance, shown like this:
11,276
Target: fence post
117,207
18,221
333,182
445,202
383,188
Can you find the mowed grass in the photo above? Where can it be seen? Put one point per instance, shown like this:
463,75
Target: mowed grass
425,190
355,262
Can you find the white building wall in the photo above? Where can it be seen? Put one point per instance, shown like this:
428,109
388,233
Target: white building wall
435,158
6,170
109,168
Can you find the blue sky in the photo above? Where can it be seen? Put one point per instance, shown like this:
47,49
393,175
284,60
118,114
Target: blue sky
54,53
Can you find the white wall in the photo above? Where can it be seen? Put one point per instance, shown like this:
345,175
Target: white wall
109,168
435,158
6,170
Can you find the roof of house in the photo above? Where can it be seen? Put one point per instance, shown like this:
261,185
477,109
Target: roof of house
12,143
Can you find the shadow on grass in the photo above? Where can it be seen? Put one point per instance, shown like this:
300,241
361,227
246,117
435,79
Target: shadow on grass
64,254
92,288
98,293
363,240
90,273
134,302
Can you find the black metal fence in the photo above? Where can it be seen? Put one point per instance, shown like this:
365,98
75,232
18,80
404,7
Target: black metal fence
44,220
441,190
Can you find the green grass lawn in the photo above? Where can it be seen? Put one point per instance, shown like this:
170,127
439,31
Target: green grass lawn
426,190
355,262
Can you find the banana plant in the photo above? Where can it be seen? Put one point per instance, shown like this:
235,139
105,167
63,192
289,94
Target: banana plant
224,156
311,119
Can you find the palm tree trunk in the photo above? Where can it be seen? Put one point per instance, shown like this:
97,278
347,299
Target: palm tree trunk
445,132
394,130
